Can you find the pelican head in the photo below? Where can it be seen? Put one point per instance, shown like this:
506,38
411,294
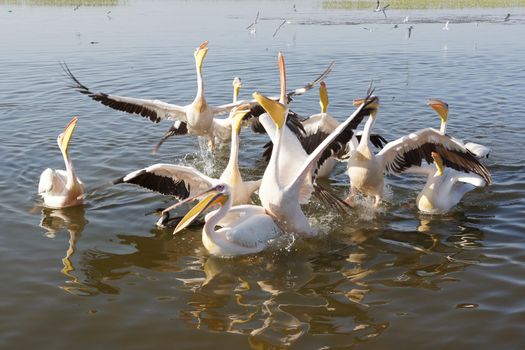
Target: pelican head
200,53
64,138
237,84
373,104
237,114
440,107
218,194
439,163
323,97
276,110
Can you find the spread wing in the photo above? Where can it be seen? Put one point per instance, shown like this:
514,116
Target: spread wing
176,180
154,110
411,150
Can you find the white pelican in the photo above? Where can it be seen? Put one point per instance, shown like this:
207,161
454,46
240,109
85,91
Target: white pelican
320,125
180,128
288,178
245,229
366,170
197,118
445,187
183,182
441,109
62,188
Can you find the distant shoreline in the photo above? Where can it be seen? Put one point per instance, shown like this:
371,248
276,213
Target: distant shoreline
421,4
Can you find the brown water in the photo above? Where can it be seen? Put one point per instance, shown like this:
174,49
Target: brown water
103,276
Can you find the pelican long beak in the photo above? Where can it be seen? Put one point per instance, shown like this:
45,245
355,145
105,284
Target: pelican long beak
200,53
373,105
282,77
208,201
237,84
65,137
323,97
439,163
440,107
276,110
237,115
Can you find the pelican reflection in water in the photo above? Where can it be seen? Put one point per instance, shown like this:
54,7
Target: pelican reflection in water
73,221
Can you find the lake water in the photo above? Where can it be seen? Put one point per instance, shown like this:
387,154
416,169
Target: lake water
104,276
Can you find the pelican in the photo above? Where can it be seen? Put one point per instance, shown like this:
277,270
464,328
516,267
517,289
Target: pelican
181,128
441,109
62,188
245,229
445,187
366,170
320,125
183,182
197,118
288,179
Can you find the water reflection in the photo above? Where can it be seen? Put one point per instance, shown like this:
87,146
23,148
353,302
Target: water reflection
73,221
332,286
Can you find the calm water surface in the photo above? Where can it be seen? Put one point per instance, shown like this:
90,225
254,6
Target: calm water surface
103,275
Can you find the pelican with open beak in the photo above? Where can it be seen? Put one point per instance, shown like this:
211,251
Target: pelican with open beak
62,188
245,229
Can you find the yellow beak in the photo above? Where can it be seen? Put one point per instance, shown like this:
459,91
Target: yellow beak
439,163
237,116
323,97
282,77
208,201
200,53
440,107
276,110
66,135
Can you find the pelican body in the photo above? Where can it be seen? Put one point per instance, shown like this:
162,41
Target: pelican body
62,188
366,170
183,182
444,187
245,229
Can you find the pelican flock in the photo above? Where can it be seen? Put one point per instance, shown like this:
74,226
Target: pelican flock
252,214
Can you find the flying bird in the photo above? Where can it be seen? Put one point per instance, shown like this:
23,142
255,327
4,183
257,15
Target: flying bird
279,28
251,27
410,31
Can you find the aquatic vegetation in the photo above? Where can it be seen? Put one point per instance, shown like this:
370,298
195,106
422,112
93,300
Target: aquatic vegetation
421,4
62,2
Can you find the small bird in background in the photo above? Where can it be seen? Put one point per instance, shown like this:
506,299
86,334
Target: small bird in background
251,27
395,26
445,27
507,17
381,9
76,7
294,8
410,31
368,29
108,16
279,28
405,20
